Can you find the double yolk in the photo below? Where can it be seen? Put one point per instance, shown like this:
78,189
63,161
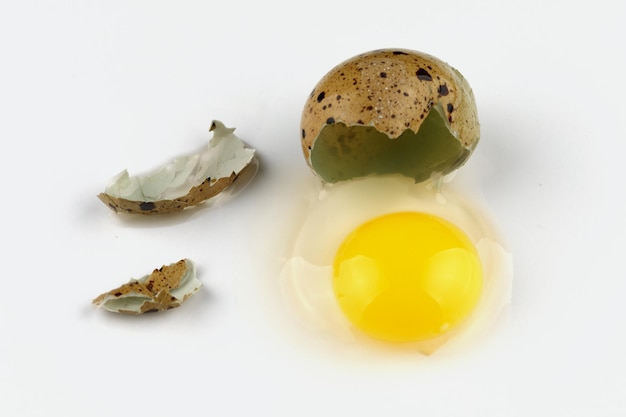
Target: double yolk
407,276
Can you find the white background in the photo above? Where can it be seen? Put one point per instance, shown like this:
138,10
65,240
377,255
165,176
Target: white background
88,88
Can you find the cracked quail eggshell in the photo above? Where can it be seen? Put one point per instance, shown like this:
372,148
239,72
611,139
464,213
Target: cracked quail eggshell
389,111
165,288
185,182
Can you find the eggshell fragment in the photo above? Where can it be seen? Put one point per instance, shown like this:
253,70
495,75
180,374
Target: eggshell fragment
165,288
365,115
185,182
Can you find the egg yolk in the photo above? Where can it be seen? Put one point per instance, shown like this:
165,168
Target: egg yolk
407,276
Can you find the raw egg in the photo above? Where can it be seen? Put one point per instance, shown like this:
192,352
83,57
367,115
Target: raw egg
381,258
387,250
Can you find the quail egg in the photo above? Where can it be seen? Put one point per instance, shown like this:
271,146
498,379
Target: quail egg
381,258
389,111
388,248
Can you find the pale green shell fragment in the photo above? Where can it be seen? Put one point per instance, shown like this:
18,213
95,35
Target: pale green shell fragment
225,154
165,288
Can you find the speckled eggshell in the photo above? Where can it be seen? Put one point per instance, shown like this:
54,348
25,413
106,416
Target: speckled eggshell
156,288
195,196
392,90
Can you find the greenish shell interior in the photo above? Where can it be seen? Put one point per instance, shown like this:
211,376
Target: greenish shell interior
344,152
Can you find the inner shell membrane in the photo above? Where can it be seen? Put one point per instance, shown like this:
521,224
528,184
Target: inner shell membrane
344,152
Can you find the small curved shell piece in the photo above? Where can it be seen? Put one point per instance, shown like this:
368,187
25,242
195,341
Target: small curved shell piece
185,182
390,92
165,288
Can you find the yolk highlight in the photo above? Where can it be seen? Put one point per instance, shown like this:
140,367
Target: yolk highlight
407,276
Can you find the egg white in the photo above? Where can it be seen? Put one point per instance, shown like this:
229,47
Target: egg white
337,209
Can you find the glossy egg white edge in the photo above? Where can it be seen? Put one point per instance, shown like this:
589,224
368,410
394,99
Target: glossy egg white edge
335,210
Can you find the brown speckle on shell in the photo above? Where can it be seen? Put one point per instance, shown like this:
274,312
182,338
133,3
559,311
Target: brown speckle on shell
147,206
423,75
